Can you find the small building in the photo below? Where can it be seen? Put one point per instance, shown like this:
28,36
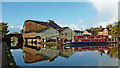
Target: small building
87,32
104,31
66,33
78,32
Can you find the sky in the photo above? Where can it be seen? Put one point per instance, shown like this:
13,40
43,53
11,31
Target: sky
75,15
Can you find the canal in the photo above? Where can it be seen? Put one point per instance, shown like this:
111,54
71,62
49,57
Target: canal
44,55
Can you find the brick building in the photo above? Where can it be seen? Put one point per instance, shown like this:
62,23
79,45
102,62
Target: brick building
32,25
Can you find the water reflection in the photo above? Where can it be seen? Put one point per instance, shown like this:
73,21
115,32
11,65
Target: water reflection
34,53
39,53
103,55
14,41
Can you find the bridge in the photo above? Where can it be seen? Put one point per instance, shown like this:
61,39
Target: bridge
18,36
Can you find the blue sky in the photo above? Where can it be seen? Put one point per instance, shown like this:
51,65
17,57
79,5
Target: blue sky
75,15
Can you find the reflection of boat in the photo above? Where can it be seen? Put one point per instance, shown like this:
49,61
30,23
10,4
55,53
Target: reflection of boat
89,39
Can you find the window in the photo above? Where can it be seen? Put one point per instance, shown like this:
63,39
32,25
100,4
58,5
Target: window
30,27
105,32
36,25
65,34
100,33
30,23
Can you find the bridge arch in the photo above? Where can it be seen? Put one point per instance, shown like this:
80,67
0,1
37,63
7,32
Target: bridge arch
20,40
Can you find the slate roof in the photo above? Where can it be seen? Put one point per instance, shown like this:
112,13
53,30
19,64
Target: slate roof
86,35
78,31
52,23
41,30
62,29
89,31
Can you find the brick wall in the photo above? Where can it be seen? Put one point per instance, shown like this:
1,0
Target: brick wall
29,26
28,35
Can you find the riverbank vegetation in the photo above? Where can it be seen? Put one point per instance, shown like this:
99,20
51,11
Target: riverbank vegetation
8,60
4,28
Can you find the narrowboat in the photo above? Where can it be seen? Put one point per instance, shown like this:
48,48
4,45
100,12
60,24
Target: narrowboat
89,39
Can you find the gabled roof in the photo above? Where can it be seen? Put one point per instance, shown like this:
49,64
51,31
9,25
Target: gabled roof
89,31
62,29
50,23
105,28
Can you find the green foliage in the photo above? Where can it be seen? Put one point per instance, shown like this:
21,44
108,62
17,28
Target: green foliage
118,27
21,31
4,28
14,33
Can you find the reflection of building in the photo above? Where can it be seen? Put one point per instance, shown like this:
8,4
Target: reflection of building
66,52
32,55
48,53
31,58
117,38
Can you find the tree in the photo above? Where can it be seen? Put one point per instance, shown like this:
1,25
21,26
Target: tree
118,27
21,31
4,28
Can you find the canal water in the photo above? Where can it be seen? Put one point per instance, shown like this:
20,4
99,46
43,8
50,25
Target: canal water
41,55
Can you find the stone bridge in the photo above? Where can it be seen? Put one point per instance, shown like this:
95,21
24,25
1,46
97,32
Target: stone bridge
18,36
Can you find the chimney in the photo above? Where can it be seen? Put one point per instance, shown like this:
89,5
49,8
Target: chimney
110,26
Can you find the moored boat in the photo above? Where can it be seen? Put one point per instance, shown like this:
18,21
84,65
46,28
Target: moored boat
89,39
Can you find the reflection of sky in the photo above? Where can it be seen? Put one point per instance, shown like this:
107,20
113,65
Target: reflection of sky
84,58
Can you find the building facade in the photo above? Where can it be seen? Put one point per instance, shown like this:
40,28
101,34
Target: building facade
87,33
32,25
66,33
47,33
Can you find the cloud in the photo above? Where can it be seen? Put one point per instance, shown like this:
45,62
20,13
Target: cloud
19,27
11,26
77,27
72,26
80,21
107,10
103,24
105,6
